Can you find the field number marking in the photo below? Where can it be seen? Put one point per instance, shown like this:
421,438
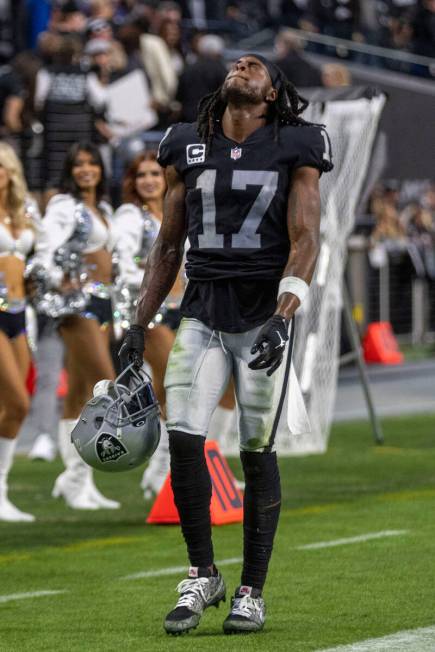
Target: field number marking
359,539
26,596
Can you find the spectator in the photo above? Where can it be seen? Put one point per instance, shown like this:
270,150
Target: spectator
166,10
99,28
335,75
293,64
129,37
113,128
385,209
170,33
293,12
428,201
12,28
66,18
103,9
66,99
156,58
336,18
424,29
388,225
237,23
394,19
203,76
11,101
26,65
201,11
421,233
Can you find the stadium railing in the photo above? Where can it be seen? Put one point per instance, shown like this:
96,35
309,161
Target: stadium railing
367,53
391,292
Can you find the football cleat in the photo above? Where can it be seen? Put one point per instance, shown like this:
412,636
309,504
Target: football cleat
119,427
200,591
248,612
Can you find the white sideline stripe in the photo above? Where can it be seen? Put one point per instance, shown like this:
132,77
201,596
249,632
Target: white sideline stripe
418,640
25,596
176,569
358,539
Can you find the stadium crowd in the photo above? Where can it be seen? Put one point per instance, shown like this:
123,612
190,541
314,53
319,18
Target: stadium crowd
63,63
404,225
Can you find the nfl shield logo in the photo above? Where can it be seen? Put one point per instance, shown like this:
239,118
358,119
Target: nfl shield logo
236,153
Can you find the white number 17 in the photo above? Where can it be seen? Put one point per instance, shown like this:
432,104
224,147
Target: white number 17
247,237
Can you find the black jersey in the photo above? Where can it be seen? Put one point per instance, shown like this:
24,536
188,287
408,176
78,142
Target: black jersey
236,207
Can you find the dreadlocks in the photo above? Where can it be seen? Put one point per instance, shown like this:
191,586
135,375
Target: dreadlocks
285,110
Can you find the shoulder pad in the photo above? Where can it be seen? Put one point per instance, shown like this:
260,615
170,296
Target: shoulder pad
173,145
310,144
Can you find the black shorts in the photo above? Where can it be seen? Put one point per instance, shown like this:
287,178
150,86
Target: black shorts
99,309
13,323
172,318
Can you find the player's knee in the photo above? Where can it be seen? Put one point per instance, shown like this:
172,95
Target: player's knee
17,408
183,445
260,469
190,478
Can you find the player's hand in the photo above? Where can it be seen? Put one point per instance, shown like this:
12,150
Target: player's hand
131,351
270,344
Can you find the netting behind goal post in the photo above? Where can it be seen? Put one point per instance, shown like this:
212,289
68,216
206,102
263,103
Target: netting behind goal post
352,126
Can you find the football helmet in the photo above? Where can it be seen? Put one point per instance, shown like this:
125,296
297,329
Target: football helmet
119,427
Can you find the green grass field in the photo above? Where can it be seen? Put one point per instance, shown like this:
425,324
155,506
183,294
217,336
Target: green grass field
315,598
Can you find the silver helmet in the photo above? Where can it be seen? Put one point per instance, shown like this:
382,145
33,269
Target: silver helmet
119,427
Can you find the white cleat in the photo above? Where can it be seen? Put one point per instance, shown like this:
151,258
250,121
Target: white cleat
75,496
95,496
43,449
11,514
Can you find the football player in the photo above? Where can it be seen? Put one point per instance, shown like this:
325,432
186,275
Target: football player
243,186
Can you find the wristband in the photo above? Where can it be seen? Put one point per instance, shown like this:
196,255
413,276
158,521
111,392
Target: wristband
295,285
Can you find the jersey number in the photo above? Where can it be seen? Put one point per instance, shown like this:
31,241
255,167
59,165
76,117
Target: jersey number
247,237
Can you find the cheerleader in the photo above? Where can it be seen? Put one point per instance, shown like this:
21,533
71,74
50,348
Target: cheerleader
76,250
17,238
138,222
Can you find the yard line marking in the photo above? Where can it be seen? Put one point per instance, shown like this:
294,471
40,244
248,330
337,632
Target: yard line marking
419,640
25,596
358,539
176,569
91,544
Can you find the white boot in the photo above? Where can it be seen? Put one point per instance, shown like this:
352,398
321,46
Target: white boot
43,448
97,497
157,470
72,483
76,483
8,511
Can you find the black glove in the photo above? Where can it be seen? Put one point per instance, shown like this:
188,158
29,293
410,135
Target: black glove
131,351
270,343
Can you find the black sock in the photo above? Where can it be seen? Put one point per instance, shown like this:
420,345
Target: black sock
191,485
261,505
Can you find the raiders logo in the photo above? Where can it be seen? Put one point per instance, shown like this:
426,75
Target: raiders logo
195,154
109,448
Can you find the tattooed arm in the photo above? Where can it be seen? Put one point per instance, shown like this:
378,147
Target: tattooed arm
161,269
303,223
166,256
